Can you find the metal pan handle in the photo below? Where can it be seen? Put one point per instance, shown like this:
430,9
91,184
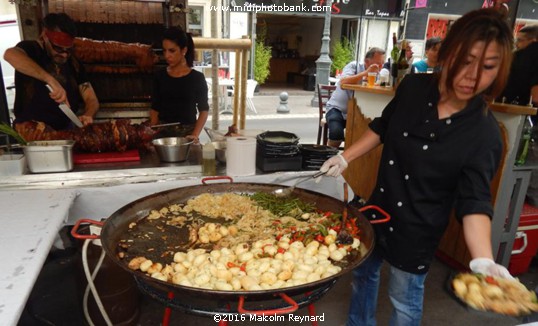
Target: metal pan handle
74,230
292,308
204,180
377,208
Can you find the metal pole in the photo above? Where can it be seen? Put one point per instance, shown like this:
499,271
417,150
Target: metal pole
323,64
253,38
405,20
512,15
359,34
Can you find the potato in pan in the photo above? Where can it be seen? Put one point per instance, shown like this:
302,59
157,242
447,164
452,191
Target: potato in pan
499,295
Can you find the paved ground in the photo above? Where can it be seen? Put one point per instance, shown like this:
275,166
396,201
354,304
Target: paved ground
267,101
301,119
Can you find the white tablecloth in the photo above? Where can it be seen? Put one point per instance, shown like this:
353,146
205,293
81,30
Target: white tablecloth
30,222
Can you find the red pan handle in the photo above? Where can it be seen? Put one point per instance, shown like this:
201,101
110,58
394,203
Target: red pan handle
225,177
292,308
74,230
377,208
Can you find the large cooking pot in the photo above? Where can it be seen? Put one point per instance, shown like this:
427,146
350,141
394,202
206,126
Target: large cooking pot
115,226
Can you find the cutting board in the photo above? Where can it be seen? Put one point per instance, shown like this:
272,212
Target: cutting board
107,157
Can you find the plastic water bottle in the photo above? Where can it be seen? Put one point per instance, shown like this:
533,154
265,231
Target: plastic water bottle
209,163
524,142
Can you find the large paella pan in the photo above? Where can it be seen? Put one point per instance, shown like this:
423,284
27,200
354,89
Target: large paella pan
117,235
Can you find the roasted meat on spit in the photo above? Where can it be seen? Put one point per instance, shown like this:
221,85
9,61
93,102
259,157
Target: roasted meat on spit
114,136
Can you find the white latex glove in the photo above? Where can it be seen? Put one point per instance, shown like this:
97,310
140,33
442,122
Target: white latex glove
333,167
488,267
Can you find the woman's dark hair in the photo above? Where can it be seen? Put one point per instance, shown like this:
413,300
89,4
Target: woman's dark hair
483,25
432,41
61,21
182,39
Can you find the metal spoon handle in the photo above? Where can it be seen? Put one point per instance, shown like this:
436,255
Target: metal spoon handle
313,176
318,174
166,125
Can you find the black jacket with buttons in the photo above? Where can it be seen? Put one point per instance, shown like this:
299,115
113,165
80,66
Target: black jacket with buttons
428,167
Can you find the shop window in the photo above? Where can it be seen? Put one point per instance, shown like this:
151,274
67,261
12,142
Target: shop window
196,20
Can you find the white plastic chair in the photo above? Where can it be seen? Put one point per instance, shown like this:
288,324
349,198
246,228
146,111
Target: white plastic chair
209,90
251,86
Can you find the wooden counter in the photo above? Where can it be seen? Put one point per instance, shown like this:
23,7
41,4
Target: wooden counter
369,102
372,90
508,187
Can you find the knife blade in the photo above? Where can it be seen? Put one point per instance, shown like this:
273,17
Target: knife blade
68,112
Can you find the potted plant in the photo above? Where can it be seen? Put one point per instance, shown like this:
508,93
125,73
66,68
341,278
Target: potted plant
343,52
262,56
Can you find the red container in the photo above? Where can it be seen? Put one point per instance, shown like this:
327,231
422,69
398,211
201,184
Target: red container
526,242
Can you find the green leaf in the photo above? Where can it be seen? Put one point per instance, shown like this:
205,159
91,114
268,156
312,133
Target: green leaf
6,129
343,52
262,57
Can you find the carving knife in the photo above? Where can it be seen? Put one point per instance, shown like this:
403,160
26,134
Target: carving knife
68,112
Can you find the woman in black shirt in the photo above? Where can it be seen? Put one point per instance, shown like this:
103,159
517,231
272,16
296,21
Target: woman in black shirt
441,149
179,92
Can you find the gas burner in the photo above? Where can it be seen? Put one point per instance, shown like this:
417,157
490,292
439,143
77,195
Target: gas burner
211,307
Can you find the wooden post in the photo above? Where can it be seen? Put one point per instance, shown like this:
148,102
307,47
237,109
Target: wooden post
237,89
30,14
214,71
243,105
241,46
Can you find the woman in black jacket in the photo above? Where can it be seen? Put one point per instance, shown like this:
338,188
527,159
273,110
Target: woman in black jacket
441,149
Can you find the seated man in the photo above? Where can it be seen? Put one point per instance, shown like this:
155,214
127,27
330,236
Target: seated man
353,73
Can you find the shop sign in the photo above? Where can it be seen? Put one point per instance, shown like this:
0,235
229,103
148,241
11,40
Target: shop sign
370,8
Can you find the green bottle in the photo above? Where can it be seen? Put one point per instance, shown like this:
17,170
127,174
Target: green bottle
524,143
394,54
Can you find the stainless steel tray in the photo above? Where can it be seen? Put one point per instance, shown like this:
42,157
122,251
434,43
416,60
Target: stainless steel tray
49,156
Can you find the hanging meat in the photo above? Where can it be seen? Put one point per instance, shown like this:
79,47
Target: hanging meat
114,136
112,52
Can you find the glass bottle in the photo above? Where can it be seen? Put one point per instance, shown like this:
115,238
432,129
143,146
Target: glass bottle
393,60
524,142
402,61
209,163
403,66
395,51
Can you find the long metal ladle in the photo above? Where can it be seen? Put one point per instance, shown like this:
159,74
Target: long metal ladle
285,192
166,125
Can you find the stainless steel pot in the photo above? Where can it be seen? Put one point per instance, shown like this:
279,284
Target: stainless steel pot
172,149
